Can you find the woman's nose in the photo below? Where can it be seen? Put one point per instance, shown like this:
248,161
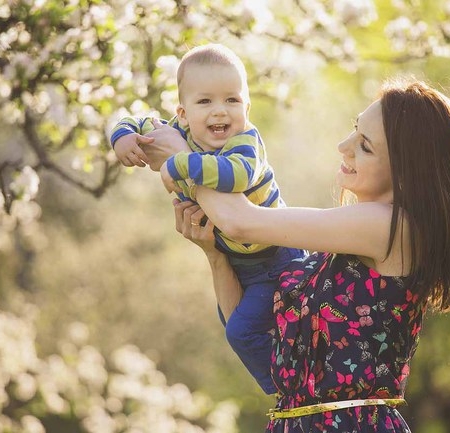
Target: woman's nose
347,146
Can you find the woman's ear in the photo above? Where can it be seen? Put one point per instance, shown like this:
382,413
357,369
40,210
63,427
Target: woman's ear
181,114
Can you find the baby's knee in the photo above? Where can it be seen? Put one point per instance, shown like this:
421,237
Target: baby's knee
237,331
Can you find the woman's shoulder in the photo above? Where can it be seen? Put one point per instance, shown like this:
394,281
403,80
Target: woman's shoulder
388,235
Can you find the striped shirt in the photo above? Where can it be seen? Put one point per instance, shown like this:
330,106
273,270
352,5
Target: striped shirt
239,166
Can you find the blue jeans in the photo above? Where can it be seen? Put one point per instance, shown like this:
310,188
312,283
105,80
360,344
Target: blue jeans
248,327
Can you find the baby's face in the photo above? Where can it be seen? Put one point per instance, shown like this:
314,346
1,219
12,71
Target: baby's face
214,104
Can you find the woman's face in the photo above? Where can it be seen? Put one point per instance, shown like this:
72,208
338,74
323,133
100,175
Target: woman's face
365,169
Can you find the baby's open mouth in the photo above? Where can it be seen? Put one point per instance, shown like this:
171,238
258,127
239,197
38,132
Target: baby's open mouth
219,128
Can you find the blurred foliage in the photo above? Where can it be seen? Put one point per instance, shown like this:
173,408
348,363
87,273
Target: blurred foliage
76,389
114,267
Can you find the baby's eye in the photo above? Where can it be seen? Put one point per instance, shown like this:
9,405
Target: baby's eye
204,101
232,100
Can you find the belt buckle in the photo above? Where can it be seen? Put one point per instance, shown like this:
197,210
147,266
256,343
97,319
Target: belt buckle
272,413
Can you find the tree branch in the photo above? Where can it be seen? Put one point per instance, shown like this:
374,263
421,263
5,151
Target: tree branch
4,185
110,171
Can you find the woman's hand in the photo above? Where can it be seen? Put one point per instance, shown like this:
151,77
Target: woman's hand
188,218
165,142
129,151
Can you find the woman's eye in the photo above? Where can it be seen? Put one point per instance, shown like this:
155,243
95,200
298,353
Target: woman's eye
364,146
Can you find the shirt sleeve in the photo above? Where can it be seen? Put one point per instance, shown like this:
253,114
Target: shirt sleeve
234,168
131,125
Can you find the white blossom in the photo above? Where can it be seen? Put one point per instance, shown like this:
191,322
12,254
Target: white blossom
31,424
26,386
357,12
5,11
91,367
129,359
26,184
78,333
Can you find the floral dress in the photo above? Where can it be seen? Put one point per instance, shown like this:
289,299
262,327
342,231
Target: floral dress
343,332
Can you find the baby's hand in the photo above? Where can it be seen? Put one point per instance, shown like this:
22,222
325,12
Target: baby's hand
128,151
168,181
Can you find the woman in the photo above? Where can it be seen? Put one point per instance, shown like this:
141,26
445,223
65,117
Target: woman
348,320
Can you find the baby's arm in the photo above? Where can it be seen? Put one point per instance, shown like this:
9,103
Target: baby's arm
168,181
236,168
126,137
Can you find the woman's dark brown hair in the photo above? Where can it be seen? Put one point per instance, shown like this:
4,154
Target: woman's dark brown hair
416,121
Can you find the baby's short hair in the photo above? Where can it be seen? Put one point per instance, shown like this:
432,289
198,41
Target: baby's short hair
208,55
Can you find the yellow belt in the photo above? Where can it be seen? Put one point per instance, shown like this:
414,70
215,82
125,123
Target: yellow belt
325,407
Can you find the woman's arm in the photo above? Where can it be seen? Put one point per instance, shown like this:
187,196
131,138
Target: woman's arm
361,229
228,290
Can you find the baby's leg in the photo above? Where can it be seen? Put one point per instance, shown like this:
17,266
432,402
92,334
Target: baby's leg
248,332
249,327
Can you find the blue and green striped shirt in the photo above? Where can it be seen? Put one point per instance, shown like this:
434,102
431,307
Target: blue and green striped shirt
241,165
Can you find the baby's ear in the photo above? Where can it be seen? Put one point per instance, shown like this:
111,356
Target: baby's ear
181,114
247,111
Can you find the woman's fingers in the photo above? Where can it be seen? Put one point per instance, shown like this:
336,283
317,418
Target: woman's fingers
137,160
190,224
196,217
142,157
183,210
144,139
157,123
190,221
